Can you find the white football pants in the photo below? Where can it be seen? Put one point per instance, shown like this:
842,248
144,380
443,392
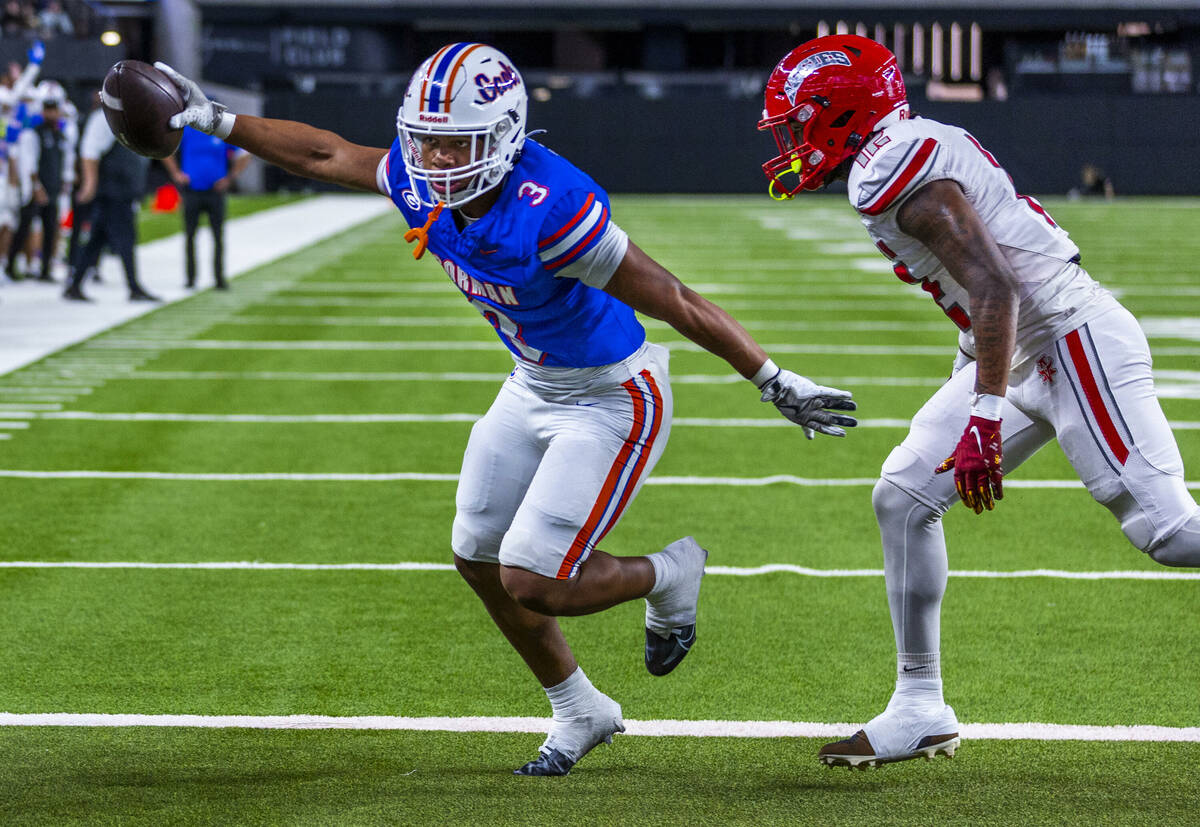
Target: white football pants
543,480
1093,390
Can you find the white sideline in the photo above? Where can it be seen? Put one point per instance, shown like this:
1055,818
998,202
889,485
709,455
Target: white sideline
735,571
35,321
657,728
417,476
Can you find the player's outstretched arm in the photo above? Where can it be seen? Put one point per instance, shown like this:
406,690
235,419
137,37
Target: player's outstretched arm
296,147
648,287
940,217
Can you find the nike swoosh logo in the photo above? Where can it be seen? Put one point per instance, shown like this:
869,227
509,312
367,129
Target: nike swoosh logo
914,668
975,430
487,252
686,644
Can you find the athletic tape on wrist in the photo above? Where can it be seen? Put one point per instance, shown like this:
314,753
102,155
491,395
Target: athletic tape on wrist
987,405
225,125
765,374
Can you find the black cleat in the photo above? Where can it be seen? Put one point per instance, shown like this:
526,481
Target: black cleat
552,762
74,294
664,654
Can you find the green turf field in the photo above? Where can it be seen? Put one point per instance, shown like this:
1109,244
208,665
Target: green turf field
311,421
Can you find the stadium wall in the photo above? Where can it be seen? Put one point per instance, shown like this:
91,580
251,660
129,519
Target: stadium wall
706,141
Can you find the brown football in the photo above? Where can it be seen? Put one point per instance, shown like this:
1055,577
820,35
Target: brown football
138,100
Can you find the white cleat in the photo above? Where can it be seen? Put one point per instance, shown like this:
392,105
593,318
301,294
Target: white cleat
899,734
671,618
571,739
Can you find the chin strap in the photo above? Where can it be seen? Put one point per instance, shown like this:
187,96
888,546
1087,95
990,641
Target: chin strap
421,234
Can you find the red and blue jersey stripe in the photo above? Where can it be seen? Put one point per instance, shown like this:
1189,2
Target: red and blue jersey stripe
576,236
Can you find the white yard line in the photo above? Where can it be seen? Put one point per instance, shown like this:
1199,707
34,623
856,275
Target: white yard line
415,476
655,728
360,419
155,343
730,571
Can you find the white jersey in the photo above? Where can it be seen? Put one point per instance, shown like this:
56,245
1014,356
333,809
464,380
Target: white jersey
1056,295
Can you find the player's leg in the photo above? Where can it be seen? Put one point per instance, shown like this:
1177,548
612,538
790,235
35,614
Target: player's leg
909,502
191,222
601,450
1113,430
501,458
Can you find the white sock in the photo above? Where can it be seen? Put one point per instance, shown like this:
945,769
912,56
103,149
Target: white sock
918,679
666,572
573,697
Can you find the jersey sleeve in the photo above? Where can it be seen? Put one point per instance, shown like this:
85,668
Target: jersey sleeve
579,240
381,174
894,175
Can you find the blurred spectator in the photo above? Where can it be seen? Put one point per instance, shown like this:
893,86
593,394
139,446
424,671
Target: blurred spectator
206,168
1093,182
17,17
53,20
50,152
113,181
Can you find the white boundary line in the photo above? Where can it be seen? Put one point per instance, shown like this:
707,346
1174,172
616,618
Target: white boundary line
733,571
655,728
414,476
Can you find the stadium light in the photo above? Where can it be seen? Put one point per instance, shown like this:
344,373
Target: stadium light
110,36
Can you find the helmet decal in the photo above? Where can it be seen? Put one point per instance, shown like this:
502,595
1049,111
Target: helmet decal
809,65
492,87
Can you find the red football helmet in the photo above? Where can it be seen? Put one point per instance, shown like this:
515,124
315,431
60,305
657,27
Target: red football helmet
822,101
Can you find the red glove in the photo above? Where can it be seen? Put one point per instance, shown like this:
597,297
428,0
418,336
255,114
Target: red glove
976,463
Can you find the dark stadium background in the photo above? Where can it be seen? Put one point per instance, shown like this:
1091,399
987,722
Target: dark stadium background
663,96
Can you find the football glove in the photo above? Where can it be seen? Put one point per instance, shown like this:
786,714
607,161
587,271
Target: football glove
976,464
808,404
199,112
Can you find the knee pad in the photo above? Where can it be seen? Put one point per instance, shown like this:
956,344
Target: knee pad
892,503
1135,523
1182,548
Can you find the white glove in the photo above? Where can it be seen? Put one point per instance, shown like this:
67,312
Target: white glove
199,112
809,404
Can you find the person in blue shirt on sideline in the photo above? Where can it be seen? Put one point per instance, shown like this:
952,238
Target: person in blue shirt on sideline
576,428
206,168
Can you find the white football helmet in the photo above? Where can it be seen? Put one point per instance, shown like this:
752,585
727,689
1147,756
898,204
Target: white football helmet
470,90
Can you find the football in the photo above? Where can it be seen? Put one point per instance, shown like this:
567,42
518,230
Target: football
138,101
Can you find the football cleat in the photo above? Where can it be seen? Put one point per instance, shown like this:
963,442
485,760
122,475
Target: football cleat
570,740
671,618
664,654
896,735
552,762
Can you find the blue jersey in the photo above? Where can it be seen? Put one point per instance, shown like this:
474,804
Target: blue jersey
527,264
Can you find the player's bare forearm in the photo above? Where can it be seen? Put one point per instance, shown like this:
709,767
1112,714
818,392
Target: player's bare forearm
940,217
308,151
648,287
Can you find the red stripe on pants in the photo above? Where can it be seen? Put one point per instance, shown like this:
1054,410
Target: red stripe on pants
1091,391
616,471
